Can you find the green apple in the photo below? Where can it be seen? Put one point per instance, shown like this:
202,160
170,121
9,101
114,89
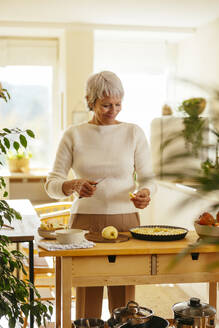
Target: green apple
109,232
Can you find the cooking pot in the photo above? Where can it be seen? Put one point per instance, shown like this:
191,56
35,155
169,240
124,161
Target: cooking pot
88,323
153,322
132,314
193,314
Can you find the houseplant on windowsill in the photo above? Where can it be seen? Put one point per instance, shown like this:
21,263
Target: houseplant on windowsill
14,292
18,161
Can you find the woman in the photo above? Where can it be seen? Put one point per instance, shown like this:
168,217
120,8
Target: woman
107,156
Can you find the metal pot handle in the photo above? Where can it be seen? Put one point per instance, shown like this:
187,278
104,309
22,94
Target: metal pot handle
132,308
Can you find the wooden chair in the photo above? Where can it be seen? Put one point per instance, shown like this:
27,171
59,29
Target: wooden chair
44,268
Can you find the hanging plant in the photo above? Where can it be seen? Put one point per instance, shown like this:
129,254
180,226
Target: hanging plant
194,126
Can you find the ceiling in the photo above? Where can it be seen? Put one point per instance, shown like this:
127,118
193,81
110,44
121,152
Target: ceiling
143,13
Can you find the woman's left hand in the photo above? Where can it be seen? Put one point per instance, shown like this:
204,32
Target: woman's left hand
142,198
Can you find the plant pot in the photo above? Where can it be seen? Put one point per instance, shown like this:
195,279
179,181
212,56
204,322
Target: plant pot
19,165
194,106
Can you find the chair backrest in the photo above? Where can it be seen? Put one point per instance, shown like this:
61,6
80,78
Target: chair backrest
56,217
52,207
54,212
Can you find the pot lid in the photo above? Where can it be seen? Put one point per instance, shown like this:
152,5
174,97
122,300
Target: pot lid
131,311
193,308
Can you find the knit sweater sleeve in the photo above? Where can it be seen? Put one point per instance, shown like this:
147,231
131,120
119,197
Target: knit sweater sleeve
143,165
63,163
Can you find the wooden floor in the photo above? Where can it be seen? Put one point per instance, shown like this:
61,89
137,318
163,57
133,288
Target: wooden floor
160,298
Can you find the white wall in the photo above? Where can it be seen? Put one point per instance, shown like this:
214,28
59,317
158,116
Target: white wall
177,205
76,64
198,56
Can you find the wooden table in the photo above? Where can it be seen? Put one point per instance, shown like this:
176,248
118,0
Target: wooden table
24,231
134,262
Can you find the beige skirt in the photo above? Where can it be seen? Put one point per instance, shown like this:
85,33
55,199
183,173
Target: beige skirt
96,222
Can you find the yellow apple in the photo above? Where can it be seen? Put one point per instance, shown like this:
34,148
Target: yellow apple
131,195
109,232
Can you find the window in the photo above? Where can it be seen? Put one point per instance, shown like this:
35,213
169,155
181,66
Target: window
30,106
142,66
28,69
144,98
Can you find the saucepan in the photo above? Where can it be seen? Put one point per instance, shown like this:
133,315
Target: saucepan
136,316
153,322
132,314
88,323
193,314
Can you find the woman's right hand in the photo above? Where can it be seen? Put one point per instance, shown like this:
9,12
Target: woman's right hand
84,188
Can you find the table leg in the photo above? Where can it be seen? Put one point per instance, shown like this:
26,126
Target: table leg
58,292
31,273
213,294
80,302
66,284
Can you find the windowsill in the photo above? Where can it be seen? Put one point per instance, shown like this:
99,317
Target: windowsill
39,173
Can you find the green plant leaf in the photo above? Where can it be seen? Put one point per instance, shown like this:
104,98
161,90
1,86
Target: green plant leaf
16,145
23,140
2,148
17,215
25,309
2,182
6,130
6,91
51,309
11,322
7,142
30,133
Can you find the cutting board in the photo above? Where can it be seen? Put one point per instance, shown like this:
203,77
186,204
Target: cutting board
97,238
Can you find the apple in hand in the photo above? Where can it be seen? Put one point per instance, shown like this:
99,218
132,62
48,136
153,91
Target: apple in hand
109,232
206,219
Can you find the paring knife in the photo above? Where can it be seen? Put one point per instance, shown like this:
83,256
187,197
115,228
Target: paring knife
97,181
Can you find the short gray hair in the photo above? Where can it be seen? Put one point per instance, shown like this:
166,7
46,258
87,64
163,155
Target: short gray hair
103,84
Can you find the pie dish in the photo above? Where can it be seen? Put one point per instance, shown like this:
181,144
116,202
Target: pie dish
158,232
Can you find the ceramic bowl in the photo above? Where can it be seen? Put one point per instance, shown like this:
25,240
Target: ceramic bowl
46,234
69,236
207,232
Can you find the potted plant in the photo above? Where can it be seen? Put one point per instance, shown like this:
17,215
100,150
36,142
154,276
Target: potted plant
18,161
194,125
14,292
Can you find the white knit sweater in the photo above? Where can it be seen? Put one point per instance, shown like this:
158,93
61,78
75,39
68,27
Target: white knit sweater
113,152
